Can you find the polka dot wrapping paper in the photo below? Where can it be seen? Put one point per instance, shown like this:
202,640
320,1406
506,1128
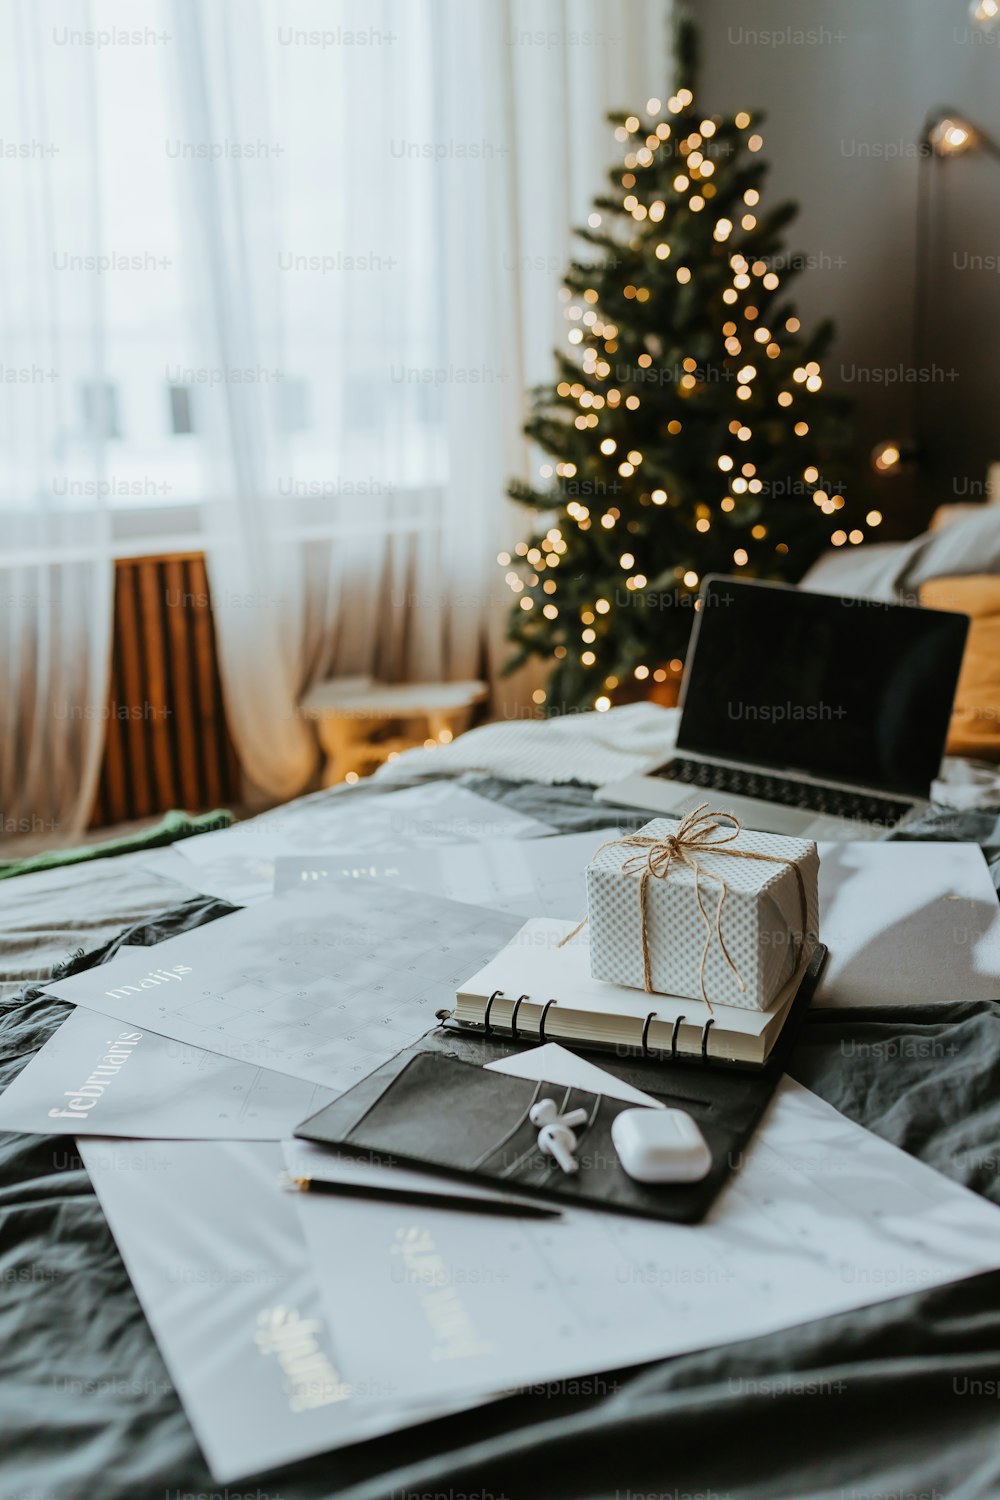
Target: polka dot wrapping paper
761,918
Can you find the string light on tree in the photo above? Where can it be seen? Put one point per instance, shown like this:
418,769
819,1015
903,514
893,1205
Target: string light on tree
679,304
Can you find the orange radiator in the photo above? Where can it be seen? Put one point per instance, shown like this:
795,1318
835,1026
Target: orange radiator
166,742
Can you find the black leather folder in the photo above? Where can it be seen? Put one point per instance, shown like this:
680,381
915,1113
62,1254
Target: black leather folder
435,1107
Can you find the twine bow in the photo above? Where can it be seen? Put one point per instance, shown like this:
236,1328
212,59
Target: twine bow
692,836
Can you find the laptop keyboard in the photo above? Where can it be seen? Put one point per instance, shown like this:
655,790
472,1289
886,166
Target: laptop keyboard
834,801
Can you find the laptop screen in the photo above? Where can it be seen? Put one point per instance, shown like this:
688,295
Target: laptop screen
843,689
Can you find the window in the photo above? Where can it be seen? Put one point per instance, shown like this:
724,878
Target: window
347,280
181,417
100,407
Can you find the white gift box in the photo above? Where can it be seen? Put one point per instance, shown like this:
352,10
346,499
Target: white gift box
761,920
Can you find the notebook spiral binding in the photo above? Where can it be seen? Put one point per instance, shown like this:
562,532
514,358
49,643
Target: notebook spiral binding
489,1028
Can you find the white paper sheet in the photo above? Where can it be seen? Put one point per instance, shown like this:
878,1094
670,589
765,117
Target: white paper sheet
324,986
168,864
216,1255
554,1064
822,1217
535,877
98,1077
907,924
238,863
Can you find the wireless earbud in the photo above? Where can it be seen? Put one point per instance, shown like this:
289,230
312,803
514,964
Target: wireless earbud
555,1131
559,1141
546,1112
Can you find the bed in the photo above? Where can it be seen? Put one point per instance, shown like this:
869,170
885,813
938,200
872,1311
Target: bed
901,1399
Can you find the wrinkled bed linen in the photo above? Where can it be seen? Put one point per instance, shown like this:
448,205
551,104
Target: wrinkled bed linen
895,1400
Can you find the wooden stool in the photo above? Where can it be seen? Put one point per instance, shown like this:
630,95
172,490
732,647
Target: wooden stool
362,723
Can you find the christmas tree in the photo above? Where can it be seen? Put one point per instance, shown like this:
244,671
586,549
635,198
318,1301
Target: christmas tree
688,430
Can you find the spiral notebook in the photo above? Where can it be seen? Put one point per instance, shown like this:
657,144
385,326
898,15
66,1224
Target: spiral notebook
534,989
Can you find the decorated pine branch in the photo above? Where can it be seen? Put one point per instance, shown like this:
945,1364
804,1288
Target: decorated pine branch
688,430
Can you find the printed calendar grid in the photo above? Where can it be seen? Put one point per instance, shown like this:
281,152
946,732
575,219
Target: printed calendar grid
323,987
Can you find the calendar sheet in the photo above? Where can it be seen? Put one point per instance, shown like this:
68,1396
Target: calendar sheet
238,863
216,1255
324,986
127,1082
905,923
533,877
822,1217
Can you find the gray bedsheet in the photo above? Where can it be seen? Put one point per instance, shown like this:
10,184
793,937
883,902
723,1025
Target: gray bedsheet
900,1400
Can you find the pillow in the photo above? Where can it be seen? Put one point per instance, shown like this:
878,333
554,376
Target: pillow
895,571
947,515
975,719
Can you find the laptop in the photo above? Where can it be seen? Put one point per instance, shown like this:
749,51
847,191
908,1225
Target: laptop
815,715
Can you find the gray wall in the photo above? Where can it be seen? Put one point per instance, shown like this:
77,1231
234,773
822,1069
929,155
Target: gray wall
845,105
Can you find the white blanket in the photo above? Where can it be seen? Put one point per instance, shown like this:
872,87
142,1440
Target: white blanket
595,748
588,747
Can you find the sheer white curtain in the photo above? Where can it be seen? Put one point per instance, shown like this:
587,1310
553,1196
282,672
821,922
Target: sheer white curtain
55,560
539,77
381,195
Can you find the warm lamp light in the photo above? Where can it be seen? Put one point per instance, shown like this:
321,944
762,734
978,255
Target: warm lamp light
951,136
947,133
985,13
